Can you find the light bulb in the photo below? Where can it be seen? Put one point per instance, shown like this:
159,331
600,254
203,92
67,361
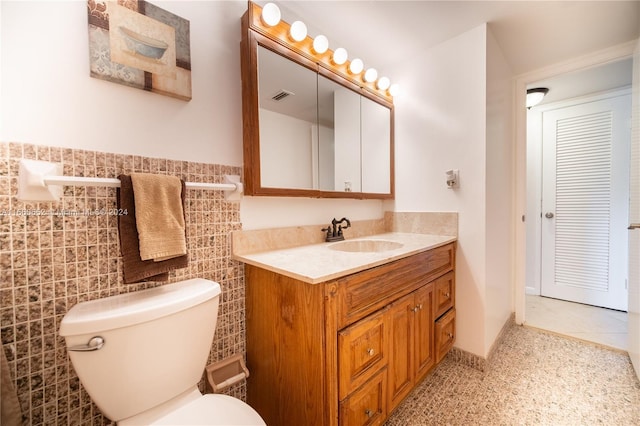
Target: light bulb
356,66
383,83
370,75
270,14
394,89
298,31
340,56
320,44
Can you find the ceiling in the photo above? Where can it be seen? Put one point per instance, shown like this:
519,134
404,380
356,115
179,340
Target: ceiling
531,34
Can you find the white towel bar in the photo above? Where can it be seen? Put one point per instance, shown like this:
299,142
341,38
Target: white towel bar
43,181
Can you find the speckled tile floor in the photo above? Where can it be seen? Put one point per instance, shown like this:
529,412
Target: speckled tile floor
534,378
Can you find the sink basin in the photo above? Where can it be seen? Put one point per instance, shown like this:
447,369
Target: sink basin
366,246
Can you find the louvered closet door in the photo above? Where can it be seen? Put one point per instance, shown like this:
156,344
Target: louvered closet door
585,202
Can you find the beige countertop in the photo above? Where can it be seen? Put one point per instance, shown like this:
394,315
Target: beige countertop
317,263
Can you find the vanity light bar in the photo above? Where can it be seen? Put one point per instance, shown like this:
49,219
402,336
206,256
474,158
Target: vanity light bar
267,21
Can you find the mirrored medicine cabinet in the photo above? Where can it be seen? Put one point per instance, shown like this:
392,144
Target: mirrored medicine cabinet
307,130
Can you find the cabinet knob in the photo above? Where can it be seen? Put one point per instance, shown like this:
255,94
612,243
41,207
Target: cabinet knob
369,413
370,351
450,336
447,295
414,309
420,306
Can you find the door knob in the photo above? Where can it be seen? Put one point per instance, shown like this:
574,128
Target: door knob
548,215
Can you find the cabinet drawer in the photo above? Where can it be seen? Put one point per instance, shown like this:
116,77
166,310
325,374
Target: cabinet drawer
445,334
362,351
365,292
367,405
445,294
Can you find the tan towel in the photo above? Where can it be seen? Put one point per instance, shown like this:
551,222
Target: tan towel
135,269
159,216
11,414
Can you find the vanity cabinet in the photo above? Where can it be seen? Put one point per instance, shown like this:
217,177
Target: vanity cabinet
347,351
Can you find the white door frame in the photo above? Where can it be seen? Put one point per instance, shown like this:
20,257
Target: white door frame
602,57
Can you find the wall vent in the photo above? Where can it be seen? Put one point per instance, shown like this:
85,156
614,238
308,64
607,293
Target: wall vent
281,95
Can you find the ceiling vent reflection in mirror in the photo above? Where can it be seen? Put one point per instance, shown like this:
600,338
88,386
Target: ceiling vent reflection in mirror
281,95
316,48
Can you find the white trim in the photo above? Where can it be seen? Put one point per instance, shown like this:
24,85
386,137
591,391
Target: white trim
531,291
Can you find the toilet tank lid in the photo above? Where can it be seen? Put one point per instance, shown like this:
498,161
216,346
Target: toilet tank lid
137,307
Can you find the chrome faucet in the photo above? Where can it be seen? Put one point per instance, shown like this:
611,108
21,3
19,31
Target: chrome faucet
334,231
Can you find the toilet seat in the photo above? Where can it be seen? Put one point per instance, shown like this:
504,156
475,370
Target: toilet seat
213,409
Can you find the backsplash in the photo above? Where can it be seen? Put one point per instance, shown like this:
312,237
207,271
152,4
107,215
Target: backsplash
259,240
51,262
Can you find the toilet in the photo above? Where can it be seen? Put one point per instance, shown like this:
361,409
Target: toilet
141,355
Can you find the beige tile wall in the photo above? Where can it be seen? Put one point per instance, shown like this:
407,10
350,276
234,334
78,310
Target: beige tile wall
49,263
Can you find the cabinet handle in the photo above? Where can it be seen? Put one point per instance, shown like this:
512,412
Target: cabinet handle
420,306
369,413
447,295
450,336
415,309
370,351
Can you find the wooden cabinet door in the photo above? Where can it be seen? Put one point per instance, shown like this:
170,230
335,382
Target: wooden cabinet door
401,326
423,331
367,406
361,352
445,331
445,293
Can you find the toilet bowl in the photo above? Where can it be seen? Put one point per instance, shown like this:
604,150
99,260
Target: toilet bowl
141,355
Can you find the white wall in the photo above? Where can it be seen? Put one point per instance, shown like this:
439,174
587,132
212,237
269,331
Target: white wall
440,125
48,98
449,118
499,193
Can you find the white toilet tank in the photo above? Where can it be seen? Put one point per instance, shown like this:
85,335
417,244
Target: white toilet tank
155,344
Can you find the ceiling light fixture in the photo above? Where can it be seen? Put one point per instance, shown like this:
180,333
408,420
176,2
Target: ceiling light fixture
294,36
534,96
340,56
394,89
298,31
356,66
320,44
270,15
370,75
383,83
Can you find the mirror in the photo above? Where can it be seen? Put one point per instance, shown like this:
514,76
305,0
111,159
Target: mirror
288,118
309,133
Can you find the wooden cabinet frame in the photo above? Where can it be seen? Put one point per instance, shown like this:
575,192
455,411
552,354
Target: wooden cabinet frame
295,329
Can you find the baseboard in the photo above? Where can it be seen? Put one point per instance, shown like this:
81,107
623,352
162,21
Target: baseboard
475,361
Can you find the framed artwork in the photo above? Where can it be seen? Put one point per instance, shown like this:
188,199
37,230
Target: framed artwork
138,44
